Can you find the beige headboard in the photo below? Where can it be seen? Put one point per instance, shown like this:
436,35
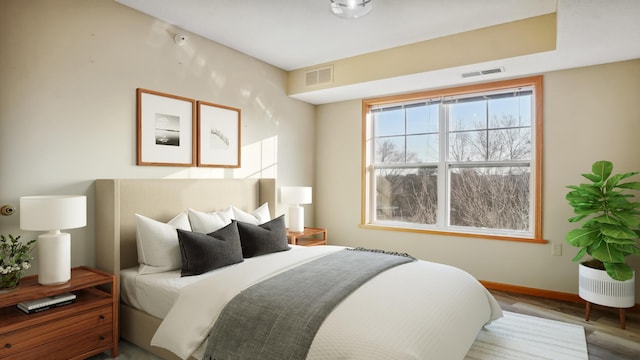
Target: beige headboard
118,200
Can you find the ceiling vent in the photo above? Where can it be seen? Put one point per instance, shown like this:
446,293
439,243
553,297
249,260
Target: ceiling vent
320,76
483,72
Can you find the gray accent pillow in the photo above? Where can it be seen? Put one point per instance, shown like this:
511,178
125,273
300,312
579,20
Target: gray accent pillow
205,252
263,239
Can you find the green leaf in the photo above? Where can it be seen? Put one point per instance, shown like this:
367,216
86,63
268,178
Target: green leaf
580,254
607,253
591,190
619,271
577,218
606,219
583,196
602,168
619,241
626,175
617,231
613,181
630,185
628,249
626,219
592,177
586,210
582,237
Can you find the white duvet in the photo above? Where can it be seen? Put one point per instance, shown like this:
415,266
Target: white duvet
419,310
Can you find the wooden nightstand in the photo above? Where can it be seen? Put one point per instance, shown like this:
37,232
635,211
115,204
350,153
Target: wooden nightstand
77,331
309,237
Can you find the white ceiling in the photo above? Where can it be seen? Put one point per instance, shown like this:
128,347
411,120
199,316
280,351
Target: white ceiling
292,34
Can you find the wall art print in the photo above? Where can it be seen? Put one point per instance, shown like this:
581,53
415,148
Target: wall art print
165,129
218,135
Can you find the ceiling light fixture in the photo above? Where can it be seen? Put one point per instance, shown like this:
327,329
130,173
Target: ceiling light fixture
351,9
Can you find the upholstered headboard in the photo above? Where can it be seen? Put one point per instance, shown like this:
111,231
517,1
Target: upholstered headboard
118,200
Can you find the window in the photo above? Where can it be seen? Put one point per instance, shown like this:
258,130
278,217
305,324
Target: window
463,161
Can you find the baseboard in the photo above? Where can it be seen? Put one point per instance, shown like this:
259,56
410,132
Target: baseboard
549,294
557,295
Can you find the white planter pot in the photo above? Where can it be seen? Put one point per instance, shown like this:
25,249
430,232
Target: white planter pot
597,287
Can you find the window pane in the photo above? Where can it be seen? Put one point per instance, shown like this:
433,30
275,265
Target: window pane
510,111
422,148
422,119
407,195
467,115
468,146
510,144
389,121
494,198
390,150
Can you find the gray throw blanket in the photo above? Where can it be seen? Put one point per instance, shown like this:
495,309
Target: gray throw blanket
278,318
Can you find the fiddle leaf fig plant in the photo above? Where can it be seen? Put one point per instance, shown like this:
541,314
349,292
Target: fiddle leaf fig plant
609,218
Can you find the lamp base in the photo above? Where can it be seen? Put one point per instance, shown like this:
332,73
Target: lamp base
54,258
296,219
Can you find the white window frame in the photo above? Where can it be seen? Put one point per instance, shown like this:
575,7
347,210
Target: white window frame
368,211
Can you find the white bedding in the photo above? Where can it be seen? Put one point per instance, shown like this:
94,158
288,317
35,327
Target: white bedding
152,293
155,293
415,311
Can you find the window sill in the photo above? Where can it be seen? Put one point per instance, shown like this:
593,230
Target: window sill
452,233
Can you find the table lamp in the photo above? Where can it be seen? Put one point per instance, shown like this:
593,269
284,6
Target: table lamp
53,213
294,196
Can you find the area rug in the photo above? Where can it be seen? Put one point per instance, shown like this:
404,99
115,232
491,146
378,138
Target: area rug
522,337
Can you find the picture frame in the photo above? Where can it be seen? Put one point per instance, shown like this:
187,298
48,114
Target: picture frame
165,129
218,135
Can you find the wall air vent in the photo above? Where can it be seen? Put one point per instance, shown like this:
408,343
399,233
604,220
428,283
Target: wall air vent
471,74
320,76
483,72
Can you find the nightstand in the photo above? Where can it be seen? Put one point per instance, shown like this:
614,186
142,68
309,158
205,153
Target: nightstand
309,237
85,328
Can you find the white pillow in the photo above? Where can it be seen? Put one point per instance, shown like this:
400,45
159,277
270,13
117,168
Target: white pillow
225,215
206,223
259,216
157,243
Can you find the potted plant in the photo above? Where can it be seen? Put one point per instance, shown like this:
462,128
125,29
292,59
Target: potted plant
14,258
609,233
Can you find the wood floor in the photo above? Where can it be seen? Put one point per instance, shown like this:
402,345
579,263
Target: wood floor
605,339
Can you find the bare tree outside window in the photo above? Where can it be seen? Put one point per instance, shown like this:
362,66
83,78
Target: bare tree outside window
494,198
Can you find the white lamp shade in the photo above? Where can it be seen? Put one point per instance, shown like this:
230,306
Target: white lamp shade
295,194
55,212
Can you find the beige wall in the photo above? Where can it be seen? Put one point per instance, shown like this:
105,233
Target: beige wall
590,114
68,74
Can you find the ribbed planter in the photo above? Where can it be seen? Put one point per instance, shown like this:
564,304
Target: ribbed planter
597,287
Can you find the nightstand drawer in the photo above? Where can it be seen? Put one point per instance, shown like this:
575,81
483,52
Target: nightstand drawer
61,339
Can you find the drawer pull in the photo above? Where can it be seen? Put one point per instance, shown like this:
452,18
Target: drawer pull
101,317
101,338
8,346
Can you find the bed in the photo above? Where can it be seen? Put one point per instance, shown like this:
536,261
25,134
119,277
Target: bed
413,310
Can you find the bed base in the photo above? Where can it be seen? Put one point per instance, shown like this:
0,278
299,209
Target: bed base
138,327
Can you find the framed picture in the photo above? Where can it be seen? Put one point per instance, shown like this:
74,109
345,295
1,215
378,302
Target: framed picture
166,129
218,135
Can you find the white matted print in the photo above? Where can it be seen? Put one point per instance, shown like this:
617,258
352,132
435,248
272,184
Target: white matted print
166,129
218,135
